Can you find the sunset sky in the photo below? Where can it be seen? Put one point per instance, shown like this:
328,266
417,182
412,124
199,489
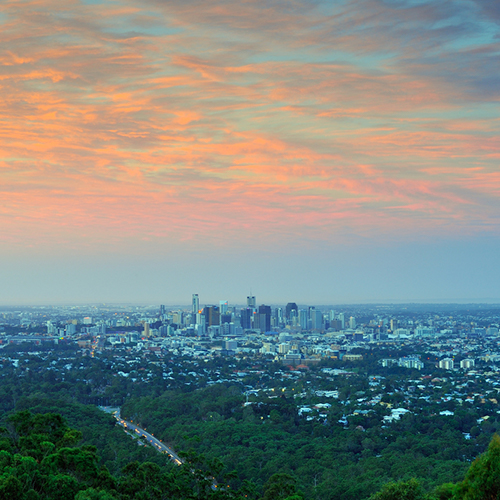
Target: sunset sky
319,152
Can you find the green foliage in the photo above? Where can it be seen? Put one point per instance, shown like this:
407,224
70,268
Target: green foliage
482,480
281,486
40,466
402,490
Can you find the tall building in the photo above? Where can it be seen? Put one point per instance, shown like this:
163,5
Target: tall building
246,318
446,363
342,321
291,306
316,319
225,318
146,330
303,318
251,302
352,322
195,305
212,315
278,314
223,306
264,318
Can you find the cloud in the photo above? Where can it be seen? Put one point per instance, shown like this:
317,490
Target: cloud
220,123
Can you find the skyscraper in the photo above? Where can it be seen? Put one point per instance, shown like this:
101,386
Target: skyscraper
291,306
342,320
212,315
195,307
316,319
246,318
251,302
223,306
352,322
264,318
303,318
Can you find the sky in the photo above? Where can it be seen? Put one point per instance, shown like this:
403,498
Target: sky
300,150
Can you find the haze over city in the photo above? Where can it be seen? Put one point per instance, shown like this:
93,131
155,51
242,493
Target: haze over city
320,152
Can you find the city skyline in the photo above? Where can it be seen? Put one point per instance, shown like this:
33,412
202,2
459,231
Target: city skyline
331,153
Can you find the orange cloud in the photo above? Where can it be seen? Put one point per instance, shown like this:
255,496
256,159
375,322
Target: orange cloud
184,121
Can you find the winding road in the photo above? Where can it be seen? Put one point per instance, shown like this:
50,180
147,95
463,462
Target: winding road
156,443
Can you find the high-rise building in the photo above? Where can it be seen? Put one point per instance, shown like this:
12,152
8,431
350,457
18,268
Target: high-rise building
195,305
279,316
146,330
352,322
246,318
303,317
291,306
316,319
251,302
225,318
342,321
212,315
446,363
264,318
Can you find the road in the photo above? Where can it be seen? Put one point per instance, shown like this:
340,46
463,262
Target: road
156,443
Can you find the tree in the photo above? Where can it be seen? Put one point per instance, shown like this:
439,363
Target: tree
280,486
482,480
402,490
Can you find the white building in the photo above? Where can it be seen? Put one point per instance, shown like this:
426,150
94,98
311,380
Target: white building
447,364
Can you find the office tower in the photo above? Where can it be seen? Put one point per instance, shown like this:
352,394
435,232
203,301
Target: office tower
332,315
291,306
246,318
225,318
303,317
162,310
264,318
251,301
394,324
146,330
352,322
212,315
177,317
223,306
342,320
316,319
200,324
278,314
195,305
